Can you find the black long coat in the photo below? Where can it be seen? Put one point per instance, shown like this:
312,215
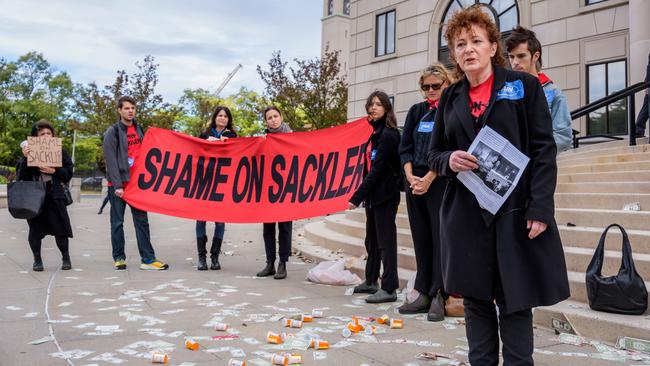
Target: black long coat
53,219
476,246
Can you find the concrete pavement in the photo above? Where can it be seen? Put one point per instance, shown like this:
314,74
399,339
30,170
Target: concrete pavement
101,316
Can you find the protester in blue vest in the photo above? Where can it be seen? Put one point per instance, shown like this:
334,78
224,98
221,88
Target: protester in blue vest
220,128
424,195
275,124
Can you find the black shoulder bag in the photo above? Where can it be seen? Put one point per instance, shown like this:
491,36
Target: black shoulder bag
624,293
25,198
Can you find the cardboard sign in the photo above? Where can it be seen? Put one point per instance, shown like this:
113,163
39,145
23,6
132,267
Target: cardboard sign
44,151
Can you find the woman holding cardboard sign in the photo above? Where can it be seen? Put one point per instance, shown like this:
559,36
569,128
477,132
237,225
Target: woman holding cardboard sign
53,219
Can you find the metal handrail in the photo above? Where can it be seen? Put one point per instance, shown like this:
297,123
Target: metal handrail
628,93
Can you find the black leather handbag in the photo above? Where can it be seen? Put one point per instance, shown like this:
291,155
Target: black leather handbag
624,293
67,194
25,198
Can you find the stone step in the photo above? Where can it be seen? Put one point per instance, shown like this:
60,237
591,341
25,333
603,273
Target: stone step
627,176
577,260
593,324
360,216
319,234
614,150
354,264
607,167
588,237
357,229
608,187
602,218
601,159
608,201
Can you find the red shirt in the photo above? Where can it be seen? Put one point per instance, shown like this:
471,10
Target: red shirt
134,143
479,96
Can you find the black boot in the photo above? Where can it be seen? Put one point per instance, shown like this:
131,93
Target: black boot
269,270
200,247
38,263
282,271
65,262
214,254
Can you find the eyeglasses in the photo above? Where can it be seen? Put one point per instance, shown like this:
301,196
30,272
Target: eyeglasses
426,87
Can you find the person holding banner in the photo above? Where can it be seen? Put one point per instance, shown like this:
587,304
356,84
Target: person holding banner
121,145
275,124
380,192
220,128
53,219
424,195
513,258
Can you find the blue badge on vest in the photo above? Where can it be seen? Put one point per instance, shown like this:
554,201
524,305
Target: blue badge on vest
425,126
511,90
373,154
550,95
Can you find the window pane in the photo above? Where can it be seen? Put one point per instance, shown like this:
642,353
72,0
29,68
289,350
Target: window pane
502,5
594,1
508,20
330,7
390,32
443,40
488,11
597,122
450,12
618,118
381,35
615,76
346,7
596,82
466,3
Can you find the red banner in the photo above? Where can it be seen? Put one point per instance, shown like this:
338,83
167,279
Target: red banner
279,177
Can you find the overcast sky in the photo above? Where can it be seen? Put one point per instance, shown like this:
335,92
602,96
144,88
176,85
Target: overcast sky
197,43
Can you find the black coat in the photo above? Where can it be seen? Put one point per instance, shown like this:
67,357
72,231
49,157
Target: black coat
384,177
53,219
414,146
531,272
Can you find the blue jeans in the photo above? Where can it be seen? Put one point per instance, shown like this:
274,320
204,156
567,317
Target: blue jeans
141,224
219,228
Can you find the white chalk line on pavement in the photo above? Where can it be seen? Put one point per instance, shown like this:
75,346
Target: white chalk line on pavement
47,314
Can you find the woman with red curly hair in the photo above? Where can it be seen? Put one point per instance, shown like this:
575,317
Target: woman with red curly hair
513,258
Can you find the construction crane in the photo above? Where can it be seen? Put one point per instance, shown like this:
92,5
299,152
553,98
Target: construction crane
225,82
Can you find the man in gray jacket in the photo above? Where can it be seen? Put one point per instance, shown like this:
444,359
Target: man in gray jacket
525,54
122,142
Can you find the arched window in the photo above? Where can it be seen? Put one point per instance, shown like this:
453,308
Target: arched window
504,13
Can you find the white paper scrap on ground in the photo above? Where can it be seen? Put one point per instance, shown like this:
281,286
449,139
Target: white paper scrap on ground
13,308
41,340
349,291
108,358
174,311
74,354
320,355
31,315
237,353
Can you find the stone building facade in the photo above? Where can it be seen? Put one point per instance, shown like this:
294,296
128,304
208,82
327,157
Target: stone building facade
591,48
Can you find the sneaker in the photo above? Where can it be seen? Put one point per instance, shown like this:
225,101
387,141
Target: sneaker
119,264
156,265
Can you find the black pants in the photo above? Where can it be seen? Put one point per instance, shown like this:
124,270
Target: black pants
483,327
61,242
424,219
381,244
643,116
284,240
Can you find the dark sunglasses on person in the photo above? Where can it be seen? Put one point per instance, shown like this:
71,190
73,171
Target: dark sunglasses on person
426,87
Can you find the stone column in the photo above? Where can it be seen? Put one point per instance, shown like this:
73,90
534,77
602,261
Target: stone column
639,12
75,189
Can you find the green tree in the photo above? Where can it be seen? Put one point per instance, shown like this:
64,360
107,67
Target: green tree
311,95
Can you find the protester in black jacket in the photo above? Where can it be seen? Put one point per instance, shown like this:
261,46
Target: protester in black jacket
380,192
220,128
53,219
276,124
513,258
424,195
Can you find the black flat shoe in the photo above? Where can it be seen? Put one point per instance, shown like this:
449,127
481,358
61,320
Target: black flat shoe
381,296
420,305
365,288
281,273
269,270
437,310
